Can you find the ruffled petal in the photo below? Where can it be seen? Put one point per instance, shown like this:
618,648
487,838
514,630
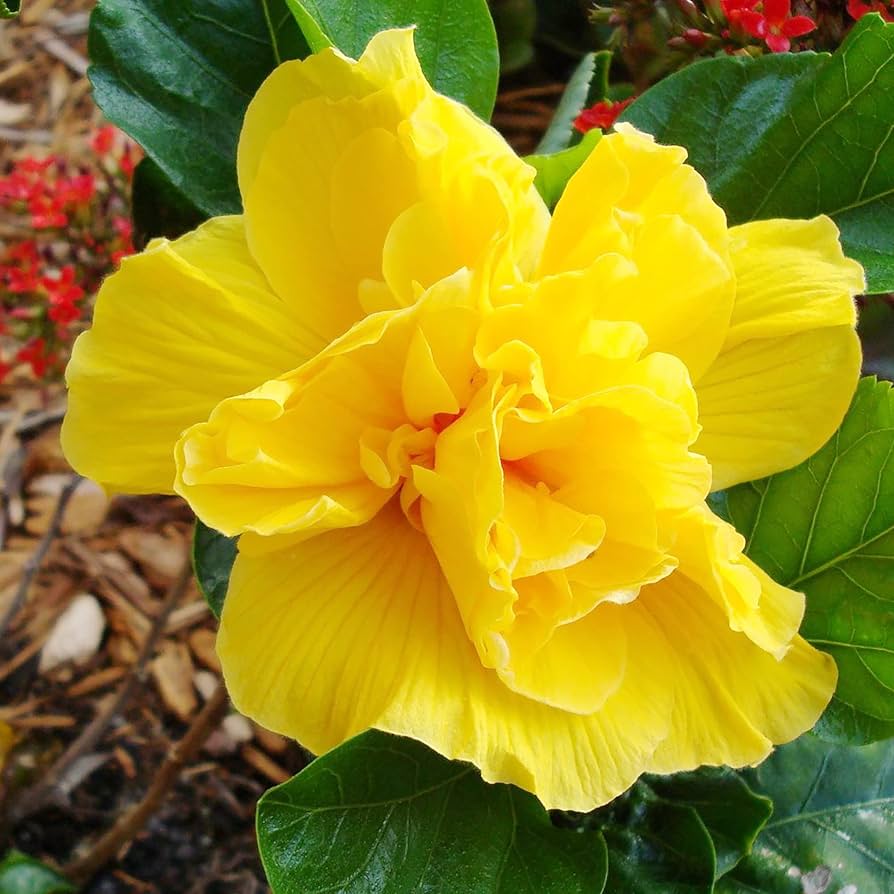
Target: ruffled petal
358,628
179,328
787,372
734,701
362,187
389,56
637,198
252,466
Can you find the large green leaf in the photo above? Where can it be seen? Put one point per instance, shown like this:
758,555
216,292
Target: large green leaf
793,136
213,555
832,828
177,76
677,834
9,8
20,874
385,815
455,39
826,527
159,208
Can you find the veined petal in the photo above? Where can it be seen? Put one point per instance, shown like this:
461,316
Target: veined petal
389,56
362,187
710,554
787,372
734,701
199,303
637,198
358,628
253,467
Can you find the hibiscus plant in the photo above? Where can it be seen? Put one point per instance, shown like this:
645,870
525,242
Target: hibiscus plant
538,497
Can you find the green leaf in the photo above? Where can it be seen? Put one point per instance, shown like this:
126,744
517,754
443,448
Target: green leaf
587,85
159,208
387,815
826,528
554,171
213,555
793,135
9,8
178,77
455,39
20,874
515,22
832,824
676,834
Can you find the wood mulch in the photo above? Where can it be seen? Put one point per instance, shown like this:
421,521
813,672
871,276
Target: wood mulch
120,760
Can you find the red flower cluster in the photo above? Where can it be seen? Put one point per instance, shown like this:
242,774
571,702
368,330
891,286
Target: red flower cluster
603,115
82,230
857,9
768,20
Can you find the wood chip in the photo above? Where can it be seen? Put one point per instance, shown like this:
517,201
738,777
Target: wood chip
14,112
272,742
173,672
76,635
264,764
160,557
202,644
96,681
45,721
126,762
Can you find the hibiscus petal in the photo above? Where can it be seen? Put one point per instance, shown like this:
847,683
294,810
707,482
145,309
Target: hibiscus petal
786,374
197,304
390,55
252,466
638,198
358,628
734,701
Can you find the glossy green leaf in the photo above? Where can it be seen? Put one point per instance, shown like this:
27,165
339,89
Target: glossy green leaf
832,828
826,528
554,171
9,8
793,135
516,24
159,208
386,815
677,834
455,39
213,555
20,874
178,77
588,84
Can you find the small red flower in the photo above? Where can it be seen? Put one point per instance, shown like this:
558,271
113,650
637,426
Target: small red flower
775,24
857,9
103,140
602,115
35,354
733,9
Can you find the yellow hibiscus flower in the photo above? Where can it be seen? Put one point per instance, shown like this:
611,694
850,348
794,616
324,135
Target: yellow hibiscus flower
467,445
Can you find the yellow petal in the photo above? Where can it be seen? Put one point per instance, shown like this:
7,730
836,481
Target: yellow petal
734,701
313,243
358,628
355,175
389,56
787,372
179,328
638,198
710,554
312,449
767,404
